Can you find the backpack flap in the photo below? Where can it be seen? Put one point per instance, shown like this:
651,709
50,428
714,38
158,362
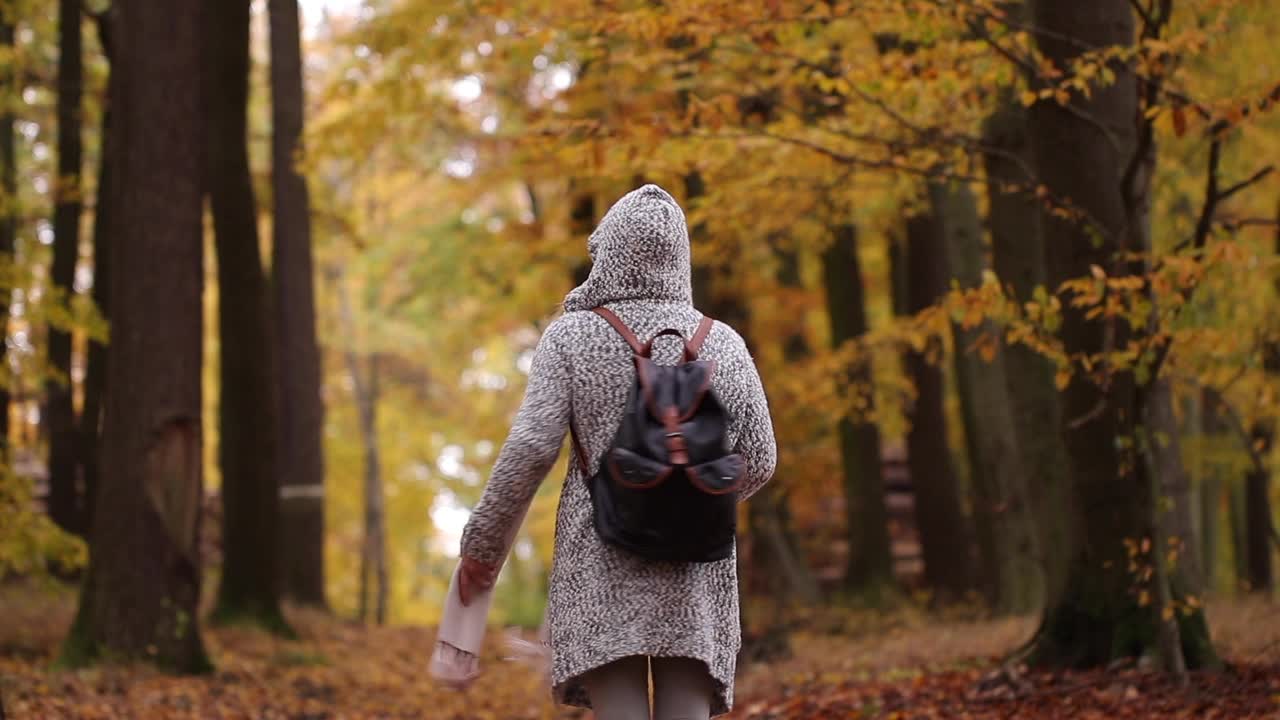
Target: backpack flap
720,476
635,471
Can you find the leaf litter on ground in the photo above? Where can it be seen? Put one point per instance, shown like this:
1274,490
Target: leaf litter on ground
902,665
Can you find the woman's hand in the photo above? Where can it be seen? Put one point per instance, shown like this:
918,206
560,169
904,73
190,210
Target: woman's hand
474,577
453,667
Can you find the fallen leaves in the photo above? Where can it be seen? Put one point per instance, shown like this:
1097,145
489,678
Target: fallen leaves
337,671
903,665
1249,691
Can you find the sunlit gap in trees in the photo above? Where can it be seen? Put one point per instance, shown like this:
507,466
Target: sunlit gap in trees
316,13
448,514
547,83
448,517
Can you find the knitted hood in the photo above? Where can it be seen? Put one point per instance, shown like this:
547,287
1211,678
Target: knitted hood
639,251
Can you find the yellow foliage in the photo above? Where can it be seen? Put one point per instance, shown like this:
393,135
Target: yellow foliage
453,142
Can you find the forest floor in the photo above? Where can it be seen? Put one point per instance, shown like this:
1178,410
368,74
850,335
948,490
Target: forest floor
901,665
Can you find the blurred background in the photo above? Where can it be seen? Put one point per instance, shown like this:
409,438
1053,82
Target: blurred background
1009,271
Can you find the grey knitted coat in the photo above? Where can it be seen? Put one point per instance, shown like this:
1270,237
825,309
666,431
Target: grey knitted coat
604,603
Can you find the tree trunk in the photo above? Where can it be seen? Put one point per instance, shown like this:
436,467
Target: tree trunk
373,558
1239,533
1096,615
1003,522
870,566
1259,530
582,221
1259,525
365,389
1174,486
763,638
944,531
249,589
66,501
1018,257
300,451
140,599
770,518
1211,427
89,431
9,94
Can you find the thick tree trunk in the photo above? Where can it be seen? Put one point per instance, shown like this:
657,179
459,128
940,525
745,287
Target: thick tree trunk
140,599
66,500
89,432
1018,257
870,566
300,452
944,531
249,588
1003,522
1096,616
9,94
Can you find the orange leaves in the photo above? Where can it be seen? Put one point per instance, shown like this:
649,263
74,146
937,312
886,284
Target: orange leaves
1017,693
847,664
1179,120
336,670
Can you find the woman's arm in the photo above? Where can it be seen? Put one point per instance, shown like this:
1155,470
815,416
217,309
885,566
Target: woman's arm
531,449
748,408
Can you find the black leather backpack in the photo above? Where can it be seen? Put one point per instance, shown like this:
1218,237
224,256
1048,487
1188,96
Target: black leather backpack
667,487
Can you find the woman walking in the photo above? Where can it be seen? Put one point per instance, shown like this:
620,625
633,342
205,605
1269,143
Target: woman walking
614,616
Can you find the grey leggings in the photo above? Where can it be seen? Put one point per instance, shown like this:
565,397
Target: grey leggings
682,689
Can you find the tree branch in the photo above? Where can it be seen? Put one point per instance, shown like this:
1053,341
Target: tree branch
1238,428
1256,177
1238,223
1211,197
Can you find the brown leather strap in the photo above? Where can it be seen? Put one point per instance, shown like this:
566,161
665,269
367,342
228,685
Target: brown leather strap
636,346
647,351
694,345
578,450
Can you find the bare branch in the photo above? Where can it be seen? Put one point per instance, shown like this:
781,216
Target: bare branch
1233,224
1211,197
1255,178
1083,420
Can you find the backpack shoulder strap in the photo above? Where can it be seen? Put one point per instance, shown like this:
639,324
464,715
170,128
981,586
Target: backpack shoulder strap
699,337
579,452
621,328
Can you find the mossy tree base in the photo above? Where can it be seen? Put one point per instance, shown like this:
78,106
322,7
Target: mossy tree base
877,593
176,646
250,615
1079,634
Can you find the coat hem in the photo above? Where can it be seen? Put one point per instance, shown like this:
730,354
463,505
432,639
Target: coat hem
570,691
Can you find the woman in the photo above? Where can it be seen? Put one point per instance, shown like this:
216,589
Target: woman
613,616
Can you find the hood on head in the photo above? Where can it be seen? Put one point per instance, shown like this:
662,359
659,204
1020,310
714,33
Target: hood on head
639,251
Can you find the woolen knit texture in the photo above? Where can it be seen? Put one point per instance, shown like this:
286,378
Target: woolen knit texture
606,604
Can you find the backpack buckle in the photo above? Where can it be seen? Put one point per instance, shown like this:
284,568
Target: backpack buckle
677,450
